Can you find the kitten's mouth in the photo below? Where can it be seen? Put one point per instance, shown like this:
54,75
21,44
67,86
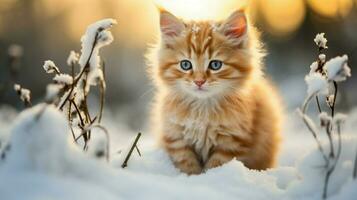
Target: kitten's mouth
200,89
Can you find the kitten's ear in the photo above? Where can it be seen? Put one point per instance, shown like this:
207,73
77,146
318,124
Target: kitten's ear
235,26
170,25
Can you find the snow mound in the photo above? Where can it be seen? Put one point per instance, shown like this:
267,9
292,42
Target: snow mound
38,139
44,163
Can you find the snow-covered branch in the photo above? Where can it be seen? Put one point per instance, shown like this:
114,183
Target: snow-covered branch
322,75
69,92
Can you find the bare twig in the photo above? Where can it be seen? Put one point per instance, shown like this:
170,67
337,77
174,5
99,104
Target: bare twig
327,178
125,163
332,168
102,94
82,124
311,129
329,136
70,120
78,112
334,99
332,157
318,104
137,150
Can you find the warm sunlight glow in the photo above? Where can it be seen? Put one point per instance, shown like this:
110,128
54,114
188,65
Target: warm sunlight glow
140,17
6,4
137,16
282,16
200,9
78,21
331,8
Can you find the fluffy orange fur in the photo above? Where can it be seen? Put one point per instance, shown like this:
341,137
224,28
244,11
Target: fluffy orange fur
235,113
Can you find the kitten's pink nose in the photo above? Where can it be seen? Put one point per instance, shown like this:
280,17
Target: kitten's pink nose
199,83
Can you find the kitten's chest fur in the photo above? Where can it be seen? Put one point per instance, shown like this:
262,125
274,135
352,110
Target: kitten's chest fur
200,127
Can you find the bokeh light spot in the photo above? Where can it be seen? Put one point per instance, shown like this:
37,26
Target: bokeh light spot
282,16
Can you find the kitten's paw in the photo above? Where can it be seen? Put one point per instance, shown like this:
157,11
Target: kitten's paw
216,161
189,167
212,163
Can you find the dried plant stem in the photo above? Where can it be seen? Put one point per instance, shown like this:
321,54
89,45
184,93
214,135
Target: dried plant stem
332,157
70,121
318,104
84,104
331,167
85,137
78,112
329,136
312,131
125,163
137,150
85,68
102,95
334,99
327,178
27,104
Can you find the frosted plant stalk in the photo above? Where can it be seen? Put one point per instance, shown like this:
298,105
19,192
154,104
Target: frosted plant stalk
25,94
50,67
321,41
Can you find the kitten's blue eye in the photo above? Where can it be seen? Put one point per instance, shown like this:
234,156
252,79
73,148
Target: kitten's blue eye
215,65
185,65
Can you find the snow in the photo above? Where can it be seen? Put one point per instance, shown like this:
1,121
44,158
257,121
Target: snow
321,41
90,36
98,146
330,99
40,160
50,67
72,58
44,163
52,91
316,83
337,68
64,79
36,137
313,67
322,57
94,77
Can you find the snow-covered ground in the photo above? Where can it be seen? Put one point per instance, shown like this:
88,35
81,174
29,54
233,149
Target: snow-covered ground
43,163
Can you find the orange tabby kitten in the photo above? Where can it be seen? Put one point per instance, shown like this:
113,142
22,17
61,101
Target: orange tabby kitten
213,103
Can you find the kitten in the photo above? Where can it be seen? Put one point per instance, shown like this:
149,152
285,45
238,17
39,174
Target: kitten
212,102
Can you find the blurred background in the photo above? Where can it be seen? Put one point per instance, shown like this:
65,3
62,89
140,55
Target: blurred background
49,29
